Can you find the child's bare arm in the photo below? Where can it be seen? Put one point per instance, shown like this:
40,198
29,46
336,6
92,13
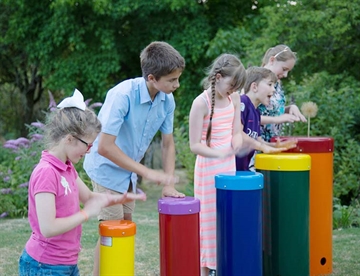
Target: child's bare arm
284,118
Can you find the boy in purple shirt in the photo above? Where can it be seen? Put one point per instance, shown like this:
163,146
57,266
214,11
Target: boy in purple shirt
259,88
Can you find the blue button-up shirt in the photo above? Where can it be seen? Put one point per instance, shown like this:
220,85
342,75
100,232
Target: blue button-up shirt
129,114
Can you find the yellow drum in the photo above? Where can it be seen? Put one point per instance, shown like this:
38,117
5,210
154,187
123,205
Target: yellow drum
117,247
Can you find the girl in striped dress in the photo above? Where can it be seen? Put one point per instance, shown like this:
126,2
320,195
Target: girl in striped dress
215,135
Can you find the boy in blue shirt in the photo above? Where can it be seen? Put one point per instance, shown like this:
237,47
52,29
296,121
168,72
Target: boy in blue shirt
133,112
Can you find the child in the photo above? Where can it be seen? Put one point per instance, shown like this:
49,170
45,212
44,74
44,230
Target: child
133,112
259,88
56,190
215,134
281,60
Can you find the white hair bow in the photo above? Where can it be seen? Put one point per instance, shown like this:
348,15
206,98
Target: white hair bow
76,100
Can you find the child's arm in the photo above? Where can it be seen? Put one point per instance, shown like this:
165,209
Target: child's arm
198,112
287,144
168,161
237,140
93,202
111,151
284,118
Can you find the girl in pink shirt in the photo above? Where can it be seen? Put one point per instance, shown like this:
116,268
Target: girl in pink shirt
56,191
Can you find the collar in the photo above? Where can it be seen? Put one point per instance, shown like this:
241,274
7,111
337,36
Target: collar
46,156
145,96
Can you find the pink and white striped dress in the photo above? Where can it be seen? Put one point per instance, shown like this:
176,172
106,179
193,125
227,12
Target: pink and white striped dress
204,177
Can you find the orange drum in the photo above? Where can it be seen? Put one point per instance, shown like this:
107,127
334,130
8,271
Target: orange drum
321,150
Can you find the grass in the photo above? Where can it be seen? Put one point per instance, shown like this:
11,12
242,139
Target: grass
15,232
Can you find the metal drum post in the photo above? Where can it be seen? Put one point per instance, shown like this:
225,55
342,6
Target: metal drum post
117,247
179,236
321,150
285,213
239,223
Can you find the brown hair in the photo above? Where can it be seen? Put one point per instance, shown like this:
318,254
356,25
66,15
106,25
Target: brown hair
257,74
160,59
280,52
227,65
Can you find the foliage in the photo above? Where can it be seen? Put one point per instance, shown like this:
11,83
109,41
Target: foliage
92,45
324,33
337,117
345,216
21,155
184,154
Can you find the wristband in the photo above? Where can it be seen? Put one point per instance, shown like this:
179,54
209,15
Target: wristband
84,214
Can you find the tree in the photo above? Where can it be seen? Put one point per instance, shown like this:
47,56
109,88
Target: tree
324,33
92,45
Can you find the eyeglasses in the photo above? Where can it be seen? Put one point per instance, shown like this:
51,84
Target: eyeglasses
284,50
89,145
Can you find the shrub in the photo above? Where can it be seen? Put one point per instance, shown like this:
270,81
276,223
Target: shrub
338,117
184,155
22,155
346,216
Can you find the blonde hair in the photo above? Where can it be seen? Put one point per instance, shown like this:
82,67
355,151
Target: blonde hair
280,52
70,120
227,65
257,74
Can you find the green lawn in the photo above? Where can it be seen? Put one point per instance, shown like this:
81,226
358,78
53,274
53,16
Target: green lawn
15,232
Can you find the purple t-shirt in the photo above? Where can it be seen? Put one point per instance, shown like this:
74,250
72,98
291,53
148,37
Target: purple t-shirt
250,118
52,175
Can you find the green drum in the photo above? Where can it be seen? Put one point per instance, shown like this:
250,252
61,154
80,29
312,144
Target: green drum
285,213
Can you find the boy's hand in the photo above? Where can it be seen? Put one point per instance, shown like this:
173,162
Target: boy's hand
270,149
160,177
288,144
170,191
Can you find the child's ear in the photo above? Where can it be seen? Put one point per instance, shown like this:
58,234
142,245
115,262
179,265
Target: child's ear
218,77
68,138
151,78
272,59
254,87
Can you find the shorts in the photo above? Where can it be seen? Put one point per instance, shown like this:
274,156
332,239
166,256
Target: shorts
115,212
28,266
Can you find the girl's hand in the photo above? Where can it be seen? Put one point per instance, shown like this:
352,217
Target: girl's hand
294,110
126,197
287,118
98,201
226,153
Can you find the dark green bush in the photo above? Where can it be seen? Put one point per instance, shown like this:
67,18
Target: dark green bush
183,153
338,101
